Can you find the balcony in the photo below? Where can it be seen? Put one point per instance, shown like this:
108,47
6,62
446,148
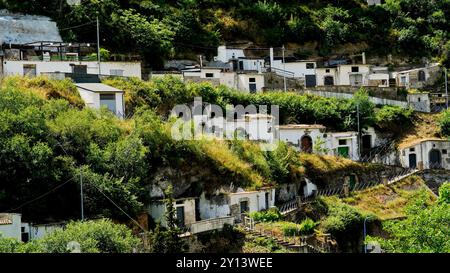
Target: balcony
210,224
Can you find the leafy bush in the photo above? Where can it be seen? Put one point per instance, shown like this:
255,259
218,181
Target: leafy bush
270,215
444,123
444,193
100,236
394,118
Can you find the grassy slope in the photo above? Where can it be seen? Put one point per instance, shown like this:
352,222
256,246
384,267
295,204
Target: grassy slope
386,202
425,126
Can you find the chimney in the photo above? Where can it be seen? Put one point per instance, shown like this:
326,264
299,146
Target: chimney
271,56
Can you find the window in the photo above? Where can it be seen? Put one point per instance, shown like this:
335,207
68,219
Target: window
412,149
116,72
209,75
355,69
309,65
252,80
342,142
418,99
444,152
108,100
29,70
327,70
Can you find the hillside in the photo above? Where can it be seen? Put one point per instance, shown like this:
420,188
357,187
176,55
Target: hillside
159,30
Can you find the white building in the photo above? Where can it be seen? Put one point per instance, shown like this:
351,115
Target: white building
236,204
375,2
417,77
314,139
10,226
96,95
38,231
353,74
302,136
36,68
327,76
426,154
185,211
251,82
225,54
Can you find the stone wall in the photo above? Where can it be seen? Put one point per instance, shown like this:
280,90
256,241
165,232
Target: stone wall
435,178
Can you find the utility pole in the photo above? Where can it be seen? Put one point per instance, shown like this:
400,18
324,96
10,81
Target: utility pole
359,131
284,72
201,61
98,47
81,195
446,88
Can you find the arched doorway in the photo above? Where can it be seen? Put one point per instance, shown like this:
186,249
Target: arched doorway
306,144
328,80
435,159
422,76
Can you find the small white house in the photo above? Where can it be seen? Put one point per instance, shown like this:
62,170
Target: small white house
302,136
379,77
225,54
344,144
327,76
375,2
417,77
10,224
236,204
353,74
431,153
96,95
36,68
185,211
314,139
37,231
251,82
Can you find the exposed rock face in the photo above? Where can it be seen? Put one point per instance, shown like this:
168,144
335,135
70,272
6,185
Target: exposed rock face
435,178
22,29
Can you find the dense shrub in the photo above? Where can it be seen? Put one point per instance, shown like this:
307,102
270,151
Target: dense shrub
444,123
270,215
393,118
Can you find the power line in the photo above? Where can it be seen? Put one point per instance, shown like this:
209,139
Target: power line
117,206
41,196
78,26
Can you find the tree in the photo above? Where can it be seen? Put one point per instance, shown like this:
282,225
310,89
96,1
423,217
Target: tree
98,236
426,228
167,240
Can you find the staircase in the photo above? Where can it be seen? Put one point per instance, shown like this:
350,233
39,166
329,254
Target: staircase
298,244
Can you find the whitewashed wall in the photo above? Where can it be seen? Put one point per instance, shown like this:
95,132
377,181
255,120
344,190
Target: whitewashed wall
12,230
92,100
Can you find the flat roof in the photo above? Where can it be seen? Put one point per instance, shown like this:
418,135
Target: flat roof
302,126
419,141
97,87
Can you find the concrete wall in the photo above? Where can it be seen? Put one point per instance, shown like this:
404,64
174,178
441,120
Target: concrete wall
294,136
12,230
157,210
40,231
321,73
130,69
351,142
344,72
224,54
211,224
92,100
298,68
422,152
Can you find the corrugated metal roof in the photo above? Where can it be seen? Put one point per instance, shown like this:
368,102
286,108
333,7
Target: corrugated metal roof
24,29
97,87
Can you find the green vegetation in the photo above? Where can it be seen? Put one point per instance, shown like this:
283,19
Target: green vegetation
271,215
100,236
425,229
387,202
161,29
394,119
444,193
444,123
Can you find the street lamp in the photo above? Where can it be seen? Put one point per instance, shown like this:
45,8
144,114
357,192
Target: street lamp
364,234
